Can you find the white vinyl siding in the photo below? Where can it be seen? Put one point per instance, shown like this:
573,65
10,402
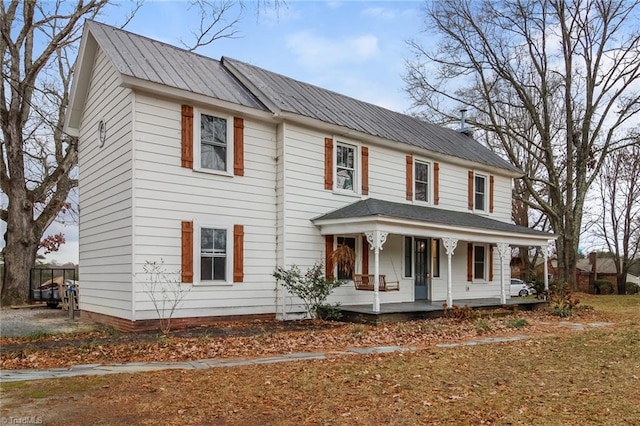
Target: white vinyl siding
105,195
167,194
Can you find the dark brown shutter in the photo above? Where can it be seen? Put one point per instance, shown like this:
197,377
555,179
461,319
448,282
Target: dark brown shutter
365,256
238,253
409,177
469,262
328,163
187,136
328,249
187,252
490,194
470,189
365,170
238,146
490,263
436,183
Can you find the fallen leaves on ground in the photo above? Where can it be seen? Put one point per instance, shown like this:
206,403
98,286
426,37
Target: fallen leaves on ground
263,338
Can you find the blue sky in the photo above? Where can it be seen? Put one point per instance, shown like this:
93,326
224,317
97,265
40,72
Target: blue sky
357,48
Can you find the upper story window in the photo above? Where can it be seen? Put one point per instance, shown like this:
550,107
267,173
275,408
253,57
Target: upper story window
480,193
213,142
422,172
346,175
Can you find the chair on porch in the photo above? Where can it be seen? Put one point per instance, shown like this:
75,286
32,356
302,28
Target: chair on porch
366,282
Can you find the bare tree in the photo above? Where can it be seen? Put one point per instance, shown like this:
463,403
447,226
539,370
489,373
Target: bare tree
619,219
38,42
36,157
551,82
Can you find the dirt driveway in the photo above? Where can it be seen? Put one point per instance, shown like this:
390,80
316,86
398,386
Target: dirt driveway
19,322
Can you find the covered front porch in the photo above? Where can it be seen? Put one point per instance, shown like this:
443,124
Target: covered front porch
404,311
438,256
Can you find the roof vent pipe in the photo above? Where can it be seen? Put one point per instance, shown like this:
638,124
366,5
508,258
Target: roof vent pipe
463,113
463,125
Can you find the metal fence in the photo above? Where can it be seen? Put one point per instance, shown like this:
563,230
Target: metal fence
44,284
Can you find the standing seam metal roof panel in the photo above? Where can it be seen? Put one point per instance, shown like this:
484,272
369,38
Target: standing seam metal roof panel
334,108
151,60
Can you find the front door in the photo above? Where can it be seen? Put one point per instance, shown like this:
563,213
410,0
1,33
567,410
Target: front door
422,268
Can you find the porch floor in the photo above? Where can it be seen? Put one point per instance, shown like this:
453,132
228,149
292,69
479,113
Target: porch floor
404,311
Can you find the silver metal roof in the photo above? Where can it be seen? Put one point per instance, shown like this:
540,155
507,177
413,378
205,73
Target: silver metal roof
311,101
150,60
141,57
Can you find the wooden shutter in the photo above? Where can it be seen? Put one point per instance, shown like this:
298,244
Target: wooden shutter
187,136
187,252
409,177
238,146
490,263
328,249
365,170
469,262
238,253
470,189
491,194
328,163
365,256
436,183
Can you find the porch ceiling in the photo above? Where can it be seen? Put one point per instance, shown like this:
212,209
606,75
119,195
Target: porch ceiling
410,219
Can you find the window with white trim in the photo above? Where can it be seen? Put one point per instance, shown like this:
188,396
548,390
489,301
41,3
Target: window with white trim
215,254
215,136
480,262
480,192
346,170
422,172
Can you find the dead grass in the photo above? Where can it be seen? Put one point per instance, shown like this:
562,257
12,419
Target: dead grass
577,378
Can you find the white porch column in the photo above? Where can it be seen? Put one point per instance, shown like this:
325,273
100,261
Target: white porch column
545,254
449,245
504,251
376,239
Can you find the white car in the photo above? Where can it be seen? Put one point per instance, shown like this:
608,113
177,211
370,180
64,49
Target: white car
519,288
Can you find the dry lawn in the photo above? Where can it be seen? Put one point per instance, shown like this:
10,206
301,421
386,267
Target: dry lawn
560,378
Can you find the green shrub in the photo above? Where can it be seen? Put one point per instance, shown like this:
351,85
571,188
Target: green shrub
517,323
312,287
329,312
603,287
538,285
632,288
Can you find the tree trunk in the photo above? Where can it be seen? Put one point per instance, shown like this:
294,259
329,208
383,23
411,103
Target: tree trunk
19,253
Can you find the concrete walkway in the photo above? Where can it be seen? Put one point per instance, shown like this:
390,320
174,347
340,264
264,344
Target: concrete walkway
139,367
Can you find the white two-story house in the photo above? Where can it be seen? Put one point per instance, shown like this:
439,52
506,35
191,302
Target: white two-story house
226,171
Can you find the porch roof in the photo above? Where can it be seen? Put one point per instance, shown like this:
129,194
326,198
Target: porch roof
373,211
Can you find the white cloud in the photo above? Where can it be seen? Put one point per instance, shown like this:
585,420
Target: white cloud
379,13
314,51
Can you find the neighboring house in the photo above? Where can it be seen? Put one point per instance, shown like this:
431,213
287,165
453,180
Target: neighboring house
594,268
226,171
